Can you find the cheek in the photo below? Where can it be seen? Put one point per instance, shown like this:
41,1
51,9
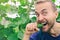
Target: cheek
50,22
50,17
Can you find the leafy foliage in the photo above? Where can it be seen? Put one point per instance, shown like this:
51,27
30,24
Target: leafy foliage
15,27
3,1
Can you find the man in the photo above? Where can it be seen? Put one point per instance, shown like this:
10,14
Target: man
46,13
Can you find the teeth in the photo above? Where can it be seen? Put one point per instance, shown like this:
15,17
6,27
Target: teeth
44,23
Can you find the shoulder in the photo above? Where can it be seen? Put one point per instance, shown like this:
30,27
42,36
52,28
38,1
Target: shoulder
35,35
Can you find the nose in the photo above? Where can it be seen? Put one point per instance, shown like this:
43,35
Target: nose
40,18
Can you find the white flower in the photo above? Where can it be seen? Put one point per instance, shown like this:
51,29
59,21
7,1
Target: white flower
30,1
10,15
17,4
57,2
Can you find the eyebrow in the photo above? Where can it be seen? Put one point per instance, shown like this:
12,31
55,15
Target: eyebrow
43,10
40,2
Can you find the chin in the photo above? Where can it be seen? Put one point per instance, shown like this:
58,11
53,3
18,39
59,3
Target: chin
45,30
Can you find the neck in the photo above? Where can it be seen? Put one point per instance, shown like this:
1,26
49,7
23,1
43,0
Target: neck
55,31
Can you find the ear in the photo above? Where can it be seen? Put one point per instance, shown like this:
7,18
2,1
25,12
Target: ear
56,13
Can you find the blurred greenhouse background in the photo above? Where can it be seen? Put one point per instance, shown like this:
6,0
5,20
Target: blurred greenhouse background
15,14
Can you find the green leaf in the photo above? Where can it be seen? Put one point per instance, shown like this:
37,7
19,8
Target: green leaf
58,6
2,36
21,10
58,18
20,35
1,26
9,19
23,26
23,2
33,19
12,25
53,0
13,37
40,25
8,31
12,9
3,1
2,9
0,18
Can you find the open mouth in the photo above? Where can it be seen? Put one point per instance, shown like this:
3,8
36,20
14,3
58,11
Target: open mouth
41,25
45,23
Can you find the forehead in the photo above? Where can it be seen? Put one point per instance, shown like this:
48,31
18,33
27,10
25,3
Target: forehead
45,5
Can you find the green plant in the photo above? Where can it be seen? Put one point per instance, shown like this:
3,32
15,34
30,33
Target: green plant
15,28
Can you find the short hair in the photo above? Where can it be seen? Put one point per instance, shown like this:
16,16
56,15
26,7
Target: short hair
43,1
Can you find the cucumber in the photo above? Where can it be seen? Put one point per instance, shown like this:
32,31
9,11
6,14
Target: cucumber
40,25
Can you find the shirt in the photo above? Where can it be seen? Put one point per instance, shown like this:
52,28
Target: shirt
43,36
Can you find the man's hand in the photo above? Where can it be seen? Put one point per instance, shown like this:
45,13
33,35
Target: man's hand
30,29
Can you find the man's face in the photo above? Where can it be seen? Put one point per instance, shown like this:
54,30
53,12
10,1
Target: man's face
45,15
